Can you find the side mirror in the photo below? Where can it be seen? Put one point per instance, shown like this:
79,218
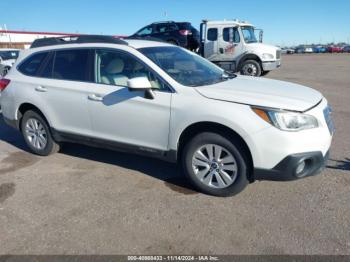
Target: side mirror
141,84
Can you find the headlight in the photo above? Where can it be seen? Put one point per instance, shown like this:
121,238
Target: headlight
268,56
285,120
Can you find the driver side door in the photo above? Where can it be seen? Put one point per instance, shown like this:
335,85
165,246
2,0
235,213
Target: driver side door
126,117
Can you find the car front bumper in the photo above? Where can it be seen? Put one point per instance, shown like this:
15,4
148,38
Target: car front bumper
271,65
287,169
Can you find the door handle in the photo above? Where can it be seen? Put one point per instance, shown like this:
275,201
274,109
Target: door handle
41,89
221,50
95,97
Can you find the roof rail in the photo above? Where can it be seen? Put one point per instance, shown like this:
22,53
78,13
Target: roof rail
135,37
77,39
163,22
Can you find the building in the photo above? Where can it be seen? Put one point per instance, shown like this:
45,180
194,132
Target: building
23,39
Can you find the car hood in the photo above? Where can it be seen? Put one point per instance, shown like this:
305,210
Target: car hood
263,92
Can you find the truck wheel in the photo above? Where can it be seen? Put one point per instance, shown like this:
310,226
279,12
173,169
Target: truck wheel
214,165
264,73
37,134
251,68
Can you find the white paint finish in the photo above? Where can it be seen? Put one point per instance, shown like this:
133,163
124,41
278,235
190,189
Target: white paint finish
263,92
128,117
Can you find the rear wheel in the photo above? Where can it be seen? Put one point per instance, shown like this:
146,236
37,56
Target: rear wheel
251,68
214,165
37,134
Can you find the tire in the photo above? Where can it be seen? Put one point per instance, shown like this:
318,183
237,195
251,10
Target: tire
251,68
34,127
264,73
229,149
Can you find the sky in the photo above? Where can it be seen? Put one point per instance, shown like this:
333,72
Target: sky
284,22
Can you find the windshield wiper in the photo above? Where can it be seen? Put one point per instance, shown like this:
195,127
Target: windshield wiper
228,75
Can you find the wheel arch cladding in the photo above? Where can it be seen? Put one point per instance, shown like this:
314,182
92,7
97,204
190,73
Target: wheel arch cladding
200,127
26,107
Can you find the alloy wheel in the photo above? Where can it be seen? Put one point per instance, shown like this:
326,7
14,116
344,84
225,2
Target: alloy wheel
214,166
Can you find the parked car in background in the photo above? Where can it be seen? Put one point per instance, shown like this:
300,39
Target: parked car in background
319,49
300,50
334,49
287,50
177,33
7,59
308,50
346,49
162,101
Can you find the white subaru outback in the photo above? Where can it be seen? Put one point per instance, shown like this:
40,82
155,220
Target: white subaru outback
163,101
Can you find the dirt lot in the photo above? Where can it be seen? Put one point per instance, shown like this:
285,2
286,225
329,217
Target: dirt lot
92,201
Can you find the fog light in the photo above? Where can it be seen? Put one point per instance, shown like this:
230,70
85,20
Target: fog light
300,168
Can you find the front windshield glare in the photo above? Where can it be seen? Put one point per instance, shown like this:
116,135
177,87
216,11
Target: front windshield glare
184,66
249,35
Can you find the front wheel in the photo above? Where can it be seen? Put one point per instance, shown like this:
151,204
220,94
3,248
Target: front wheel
37,134
251,68
215,165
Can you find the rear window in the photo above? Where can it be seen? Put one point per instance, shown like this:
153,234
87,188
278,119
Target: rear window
32,65
184,26
72,65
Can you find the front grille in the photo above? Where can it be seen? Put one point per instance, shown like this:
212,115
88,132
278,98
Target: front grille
327,116
278,54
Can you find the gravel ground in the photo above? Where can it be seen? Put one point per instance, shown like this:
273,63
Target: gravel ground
93,201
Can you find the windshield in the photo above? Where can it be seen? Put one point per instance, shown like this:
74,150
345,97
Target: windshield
184,66
248,34
6,55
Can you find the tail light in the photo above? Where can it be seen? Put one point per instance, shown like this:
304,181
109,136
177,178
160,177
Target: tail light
185,32
4,83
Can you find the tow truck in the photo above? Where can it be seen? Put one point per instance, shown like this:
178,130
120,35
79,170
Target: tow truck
233,45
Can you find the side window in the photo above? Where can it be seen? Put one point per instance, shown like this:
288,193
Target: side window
32,64
172,27
231,34
72,65
162,28
47,66
212,34
145,31
116,68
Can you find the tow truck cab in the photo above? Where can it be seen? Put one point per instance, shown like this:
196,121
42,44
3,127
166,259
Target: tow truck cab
233,46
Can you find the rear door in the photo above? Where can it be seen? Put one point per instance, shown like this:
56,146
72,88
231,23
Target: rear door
165,31
64,83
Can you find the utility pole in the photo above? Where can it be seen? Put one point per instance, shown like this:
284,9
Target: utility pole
9,35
